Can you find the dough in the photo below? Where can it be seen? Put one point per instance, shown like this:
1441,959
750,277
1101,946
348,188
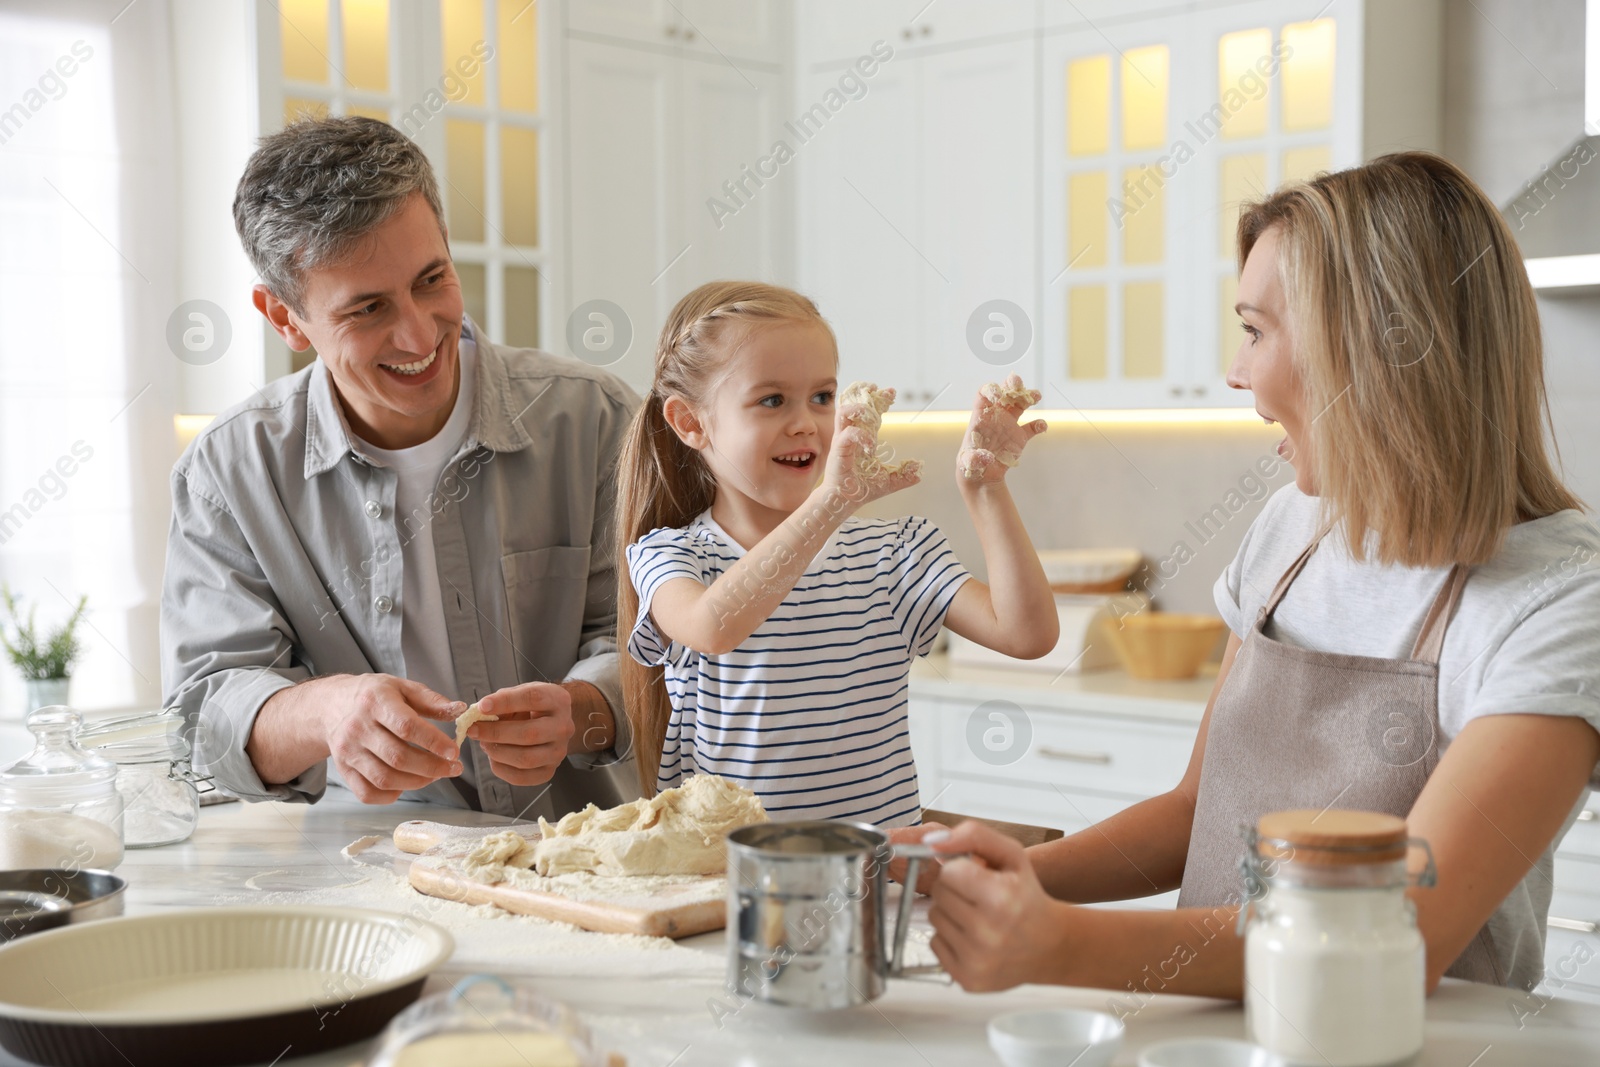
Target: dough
505,849
465,720
869,403
1012,395
678,831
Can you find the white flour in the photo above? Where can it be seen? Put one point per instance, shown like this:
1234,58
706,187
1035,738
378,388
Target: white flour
31,840
487,938
1335,977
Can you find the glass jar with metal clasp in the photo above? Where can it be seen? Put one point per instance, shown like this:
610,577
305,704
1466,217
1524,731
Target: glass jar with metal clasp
160,790
1334,963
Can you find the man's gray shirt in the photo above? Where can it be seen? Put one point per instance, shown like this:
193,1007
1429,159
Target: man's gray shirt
284,563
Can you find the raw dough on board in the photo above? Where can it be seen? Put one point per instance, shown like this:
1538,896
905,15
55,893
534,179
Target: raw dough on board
678,831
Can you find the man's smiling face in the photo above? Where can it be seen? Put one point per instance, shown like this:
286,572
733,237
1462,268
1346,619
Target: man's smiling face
386,321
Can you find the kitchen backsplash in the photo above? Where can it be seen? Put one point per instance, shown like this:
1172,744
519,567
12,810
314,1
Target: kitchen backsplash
1182,494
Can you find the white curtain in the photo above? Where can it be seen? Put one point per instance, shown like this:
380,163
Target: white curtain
88,207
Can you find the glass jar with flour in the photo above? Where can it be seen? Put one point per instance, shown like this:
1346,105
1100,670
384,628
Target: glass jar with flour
1334,963
160,791
59,806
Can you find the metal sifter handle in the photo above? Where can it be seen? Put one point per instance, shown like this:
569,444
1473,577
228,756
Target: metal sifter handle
914,855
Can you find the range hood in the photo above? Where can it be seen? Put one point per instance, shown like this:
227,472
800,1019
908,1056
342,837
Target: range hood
1556,217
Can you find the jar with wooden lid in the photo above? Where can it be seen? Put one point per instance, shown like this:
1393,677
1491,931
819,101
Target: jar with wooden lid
1335,968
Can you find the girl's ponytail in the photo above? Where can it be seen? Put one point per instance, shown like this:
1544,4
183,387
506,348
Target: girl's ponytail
664,482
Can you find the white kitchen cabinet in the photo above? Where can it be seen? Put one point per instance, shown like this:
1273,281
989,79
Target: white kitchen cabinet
908,222
833,31
1089,755
731,29
980,180
1124,243
622,223
1083,762
652,136
858,203
1572,942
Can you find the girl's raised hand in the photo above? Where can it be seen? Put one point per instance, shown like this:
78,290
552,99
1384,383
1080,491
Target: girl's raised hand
995,439
858,469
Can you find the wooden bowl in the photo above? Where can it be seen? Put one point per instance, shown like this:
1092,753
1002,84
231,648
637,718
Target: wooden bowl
1161,646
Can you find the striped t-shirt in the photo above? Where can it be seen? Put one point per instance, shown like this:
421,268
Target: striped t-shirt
810,712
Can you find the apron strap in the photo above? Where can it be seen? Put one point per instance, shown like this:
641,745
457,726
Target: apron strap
1290,575
1430,642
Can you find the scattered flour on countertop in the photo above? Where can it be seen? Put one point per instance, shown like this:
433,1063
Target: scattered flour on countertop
488,938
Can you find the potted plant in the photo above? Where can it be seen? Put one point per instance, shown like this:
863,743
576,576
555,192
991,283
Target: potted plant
45,662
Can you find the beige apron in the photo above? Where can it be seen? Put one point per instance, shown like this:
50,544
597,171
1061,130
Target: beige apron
1296,728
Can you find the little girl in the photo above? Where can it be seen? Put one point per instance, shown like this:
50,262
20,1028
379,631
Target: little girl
772,632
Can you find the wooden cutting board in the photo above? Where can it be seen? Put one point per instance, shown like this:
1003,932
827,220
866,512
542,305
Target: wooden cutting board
679,910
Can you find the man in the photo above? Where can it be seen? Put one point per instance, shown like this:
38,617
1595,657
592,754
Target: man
418,520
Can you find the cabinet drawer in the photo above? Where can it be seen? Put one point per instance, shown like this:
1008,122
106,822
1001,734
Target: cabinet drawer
1571,964
1036,806
1031,803
1130,759
1584,837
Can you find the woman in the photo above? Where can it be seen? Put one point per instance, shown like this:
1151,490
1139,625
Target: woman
1416,620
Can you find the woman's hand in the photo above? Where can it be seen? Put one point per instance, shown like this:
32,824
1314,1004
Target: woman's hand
858,470
994,440
928,871
994,925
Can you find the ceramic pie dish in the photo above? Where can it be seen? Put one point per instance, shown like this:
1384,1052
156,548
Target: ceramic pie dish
209,987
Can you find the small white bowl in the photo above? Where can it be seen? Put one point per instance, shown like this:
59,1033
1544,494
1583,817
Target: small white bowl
1055,1037
1207,1052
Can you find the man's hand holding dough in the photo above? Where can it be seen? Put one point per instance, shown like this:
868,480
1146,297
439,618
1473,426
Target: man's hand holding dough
532,734
374,727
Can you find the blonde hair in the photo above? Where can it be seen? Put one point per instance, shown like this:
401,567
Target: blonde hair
664,482
1417,337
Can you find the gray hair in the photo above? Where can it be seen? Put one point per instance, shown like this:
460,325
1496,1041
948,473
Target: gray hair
316,187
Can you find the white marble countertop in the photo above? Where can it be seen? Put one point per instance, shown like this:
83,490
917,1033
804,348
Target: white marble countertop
1108,692
657,1018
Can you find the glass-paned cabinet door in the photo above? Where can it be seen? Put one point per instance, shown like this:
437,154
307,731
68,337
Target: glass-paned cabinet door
1154,132
463,79
1112,331
1283,76
487,153
325,57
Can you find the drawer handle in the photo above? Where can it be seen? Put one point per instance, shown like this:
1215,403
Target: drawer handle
1577,925
1074,757
1587,815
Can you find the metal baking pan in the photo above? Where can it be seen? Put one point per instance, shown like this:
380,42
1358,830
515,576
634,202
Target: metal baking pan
35,900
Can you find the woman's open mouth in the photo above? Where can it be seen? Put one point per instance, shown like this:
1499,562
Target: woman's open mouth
799,461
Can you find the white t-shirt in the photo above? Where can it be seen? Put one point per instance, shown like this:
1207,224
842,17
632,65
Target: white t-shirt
424,639
810,712
1525,639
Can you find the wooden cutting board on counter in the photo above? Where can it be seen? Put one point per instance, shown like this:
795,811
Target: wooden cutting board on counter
679,910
